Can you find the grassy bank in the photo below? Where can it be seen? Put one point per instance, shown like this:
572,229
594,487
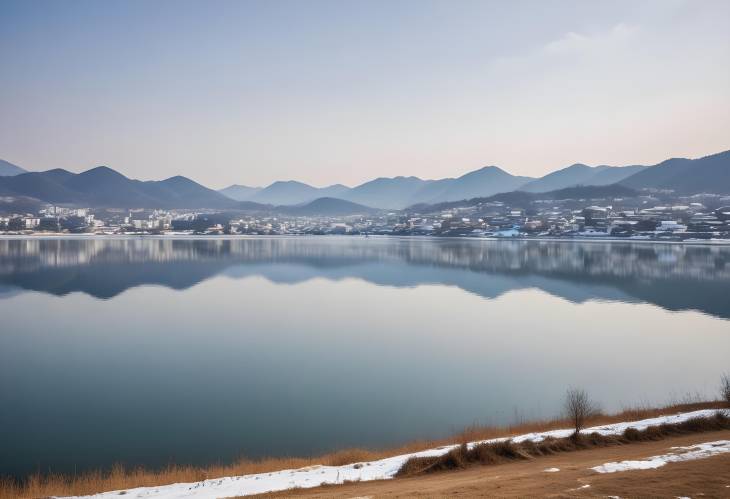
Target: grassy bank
504,451
119,477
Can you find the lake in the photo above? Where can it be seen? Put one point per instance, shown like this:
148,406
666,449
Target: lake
151,350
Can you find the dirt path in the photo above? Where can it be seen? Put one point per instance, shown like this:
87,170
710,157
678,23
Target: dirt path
701,478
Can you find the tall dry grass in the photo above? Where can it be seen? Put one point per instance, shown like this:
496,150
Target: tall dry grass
121,478
495,452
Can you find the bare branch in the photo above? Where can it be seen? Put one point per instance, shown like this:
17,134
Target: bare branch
578,408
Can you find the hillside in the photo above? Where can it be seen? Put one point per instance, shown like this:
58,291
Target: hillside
483,182
104,187
580,174
327,207
10,205
291,192
8,169
239,192
709,174
388,193
385,192
516,198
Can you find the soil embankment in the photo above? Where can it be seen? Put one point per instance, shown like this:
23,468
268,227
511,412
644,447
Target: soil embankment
705,478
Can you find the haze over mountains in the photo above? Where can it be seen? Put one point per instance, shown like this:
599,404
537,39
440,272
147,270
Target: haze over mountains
708,174
8,169
580,174
104,187
387,193
686,176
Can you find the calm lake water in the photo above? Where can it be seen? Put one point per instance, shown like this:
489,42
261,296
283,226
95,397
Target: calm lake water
156,350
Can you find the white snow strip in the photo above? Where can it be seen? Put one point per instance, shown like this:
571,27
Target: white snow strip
551,470
586,486
699,451
383,469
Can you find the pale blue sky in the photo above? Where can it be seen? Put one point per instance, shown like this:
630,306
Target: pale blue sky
343,91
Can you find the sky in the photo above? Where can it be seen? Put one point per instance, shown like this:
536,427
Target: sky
326,92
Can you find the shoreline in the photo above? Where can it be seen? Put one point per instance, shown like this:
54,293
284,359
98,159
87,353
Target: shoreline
99,483
388,468
52,236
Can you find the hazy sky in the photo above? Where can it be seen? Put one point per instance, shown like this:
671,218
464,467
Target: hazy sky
343,91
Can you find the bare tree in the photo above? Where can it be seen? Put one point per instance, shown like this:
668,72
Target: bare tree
578,408
725,387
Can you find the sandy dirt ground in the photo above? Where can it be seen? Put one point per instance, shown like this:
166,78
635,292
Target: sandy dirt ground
704,478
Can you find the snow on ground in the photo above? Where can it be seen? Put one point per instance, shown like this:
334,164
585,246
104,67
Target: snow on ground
551,470
699,451
314,476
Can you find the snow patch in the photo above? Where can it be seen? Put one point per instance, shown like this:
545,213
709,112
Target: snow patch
699,451
586,486
551,470
383,469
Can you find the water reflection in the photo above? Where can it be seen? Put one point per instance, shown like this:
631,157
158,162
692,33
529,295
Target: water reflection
295,346
675,277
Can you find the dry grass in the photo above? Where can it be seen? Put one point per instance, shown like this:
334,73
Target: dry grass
497,452
120,478
725,388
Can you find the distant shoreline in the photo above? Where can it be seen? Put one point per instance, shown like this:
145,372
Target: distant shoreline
50,235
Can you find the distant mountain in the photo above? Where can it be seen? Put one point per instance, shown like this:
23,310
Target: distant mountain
46,186
334,190
710,174
8,169
385,192
580,174
590,192
291,192
104,187
483,182
391,193
251,206
613,174
327,207
399,192
239,192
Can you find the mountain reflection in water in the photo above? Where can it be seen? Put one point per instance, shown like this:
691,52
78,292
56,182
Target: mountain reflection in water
147,351
674,277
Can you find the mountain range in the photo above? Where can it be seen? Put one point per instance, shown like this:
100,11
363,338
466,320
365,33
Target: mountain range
104,187
386,193
708,174
580,174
